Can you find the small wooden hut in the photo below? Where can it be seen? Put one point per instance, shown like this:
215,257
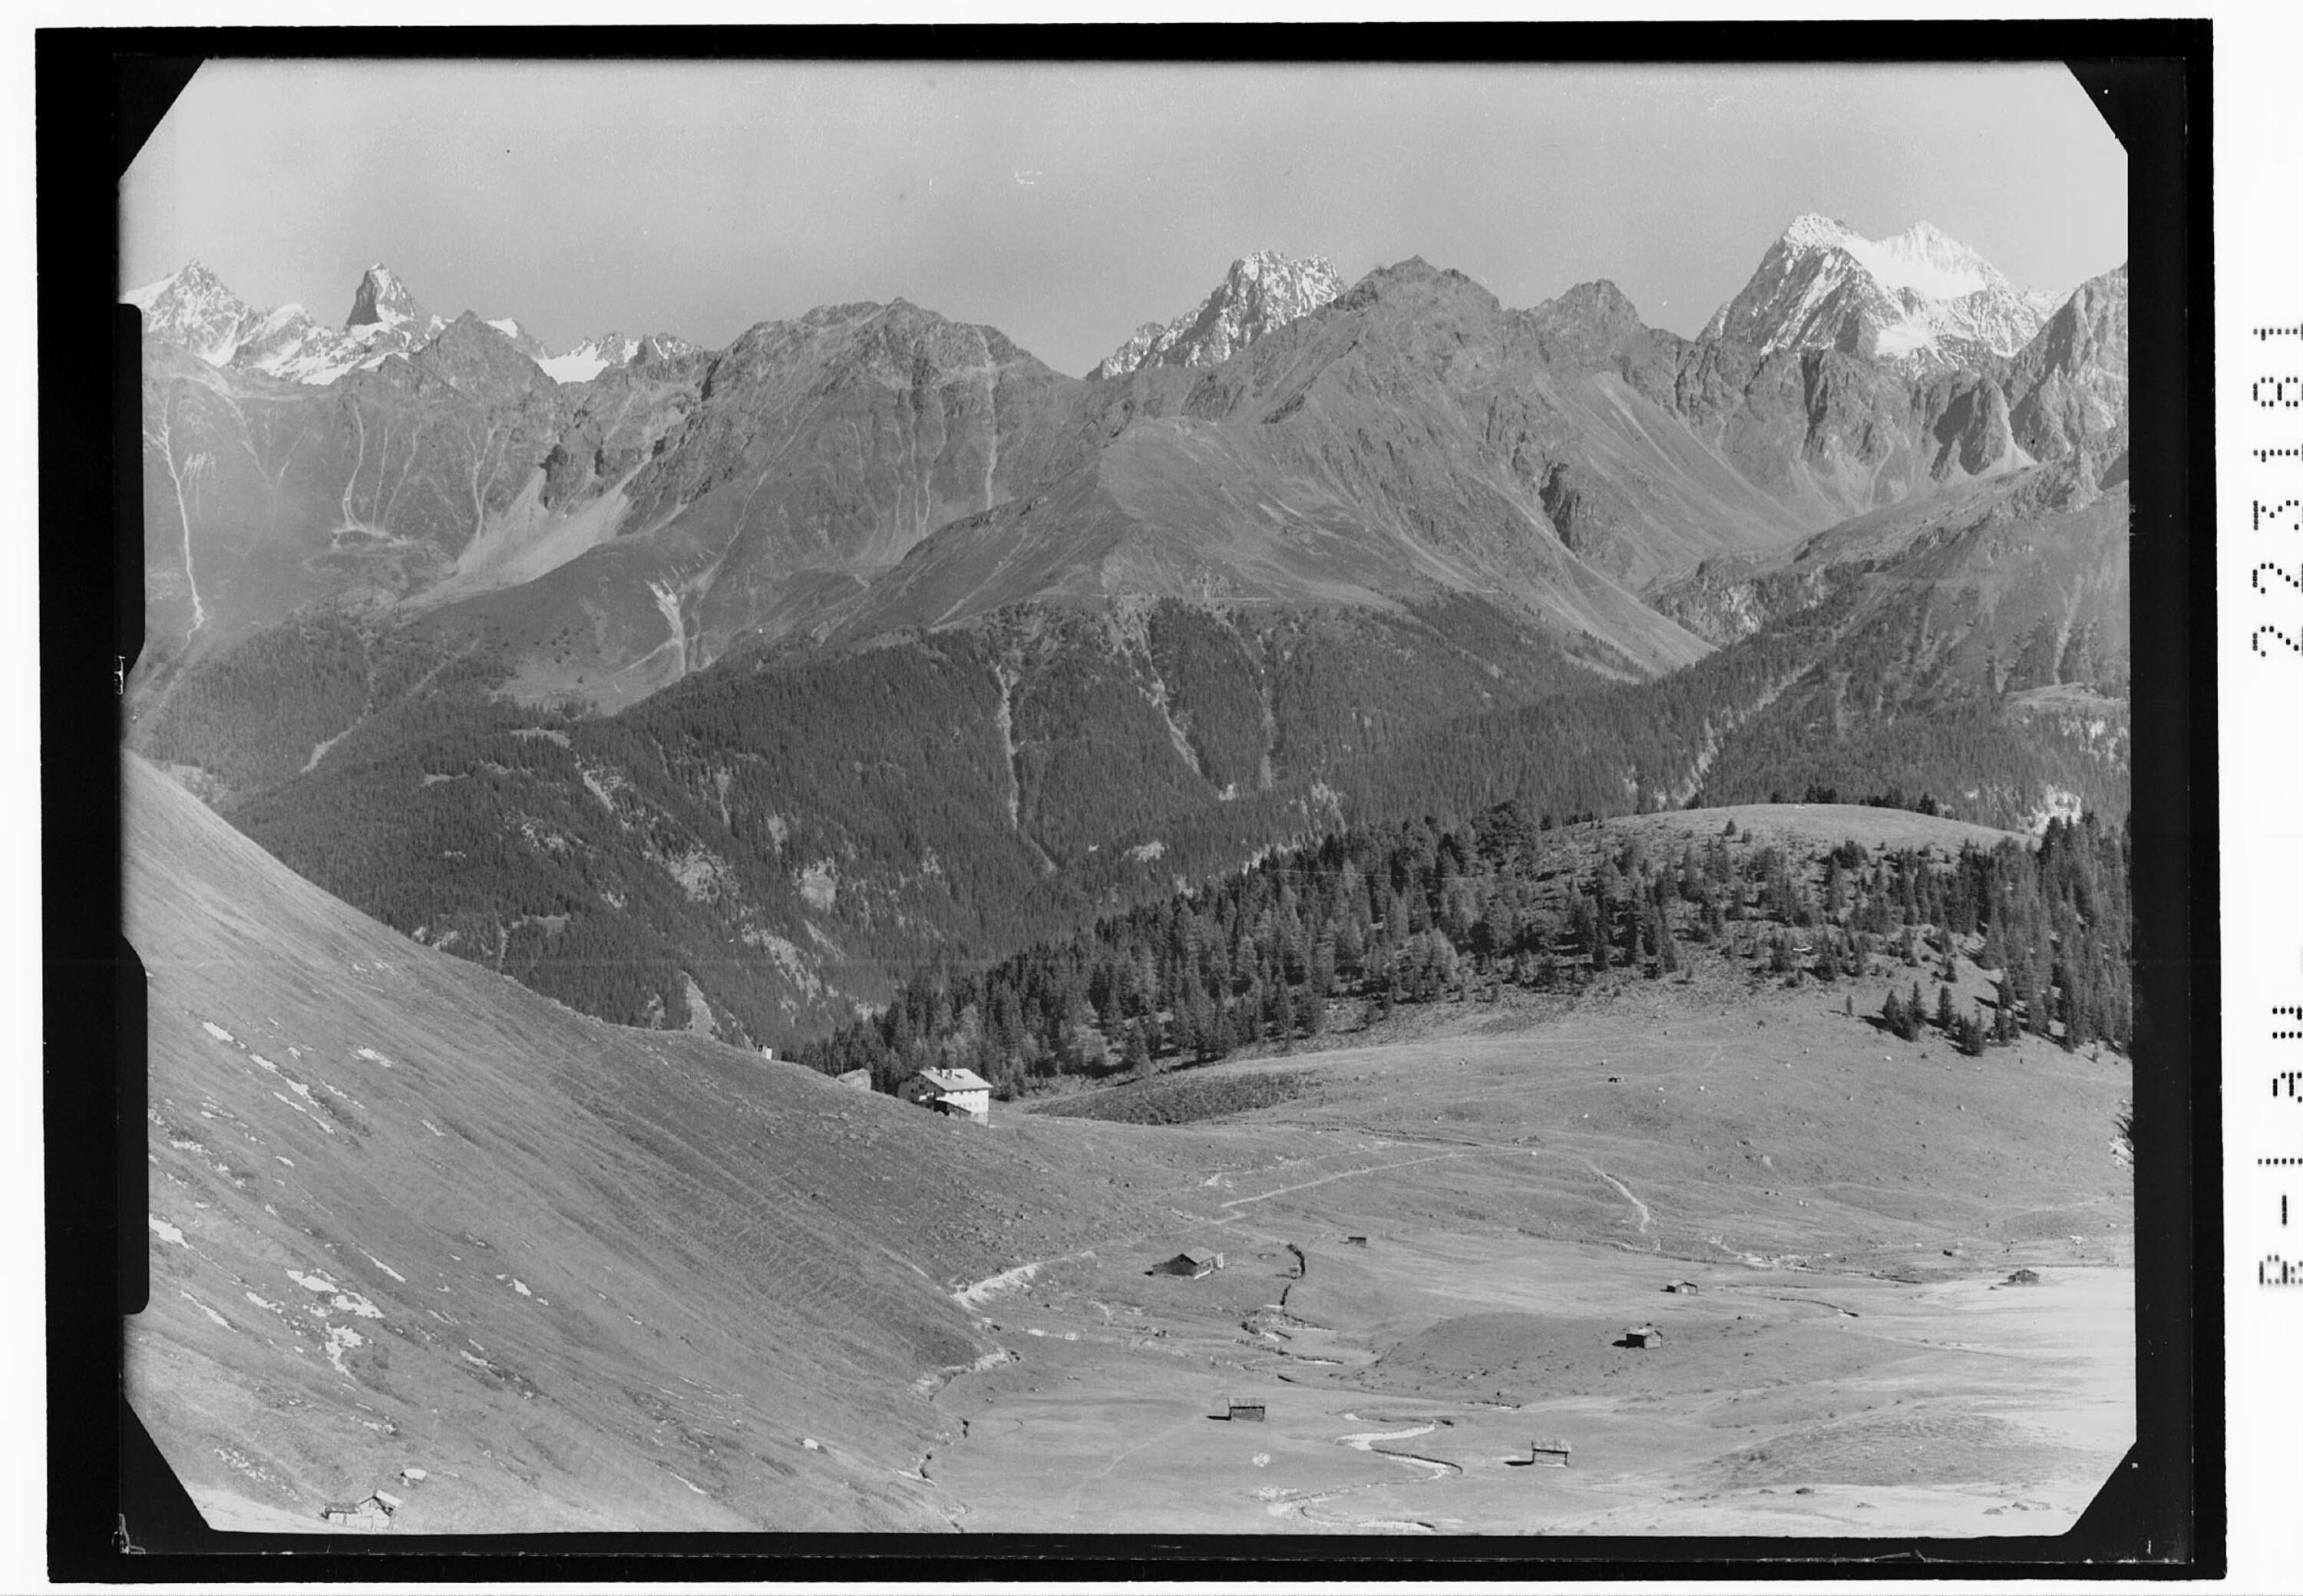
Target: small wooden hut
1642,1336
1191,1264
373,1511
1548,1451
1243,1410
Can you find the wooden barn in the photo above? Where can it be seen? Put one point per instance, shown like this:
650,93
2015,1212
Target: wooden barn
1243,1411
373,1511
1191,1264
1355,1241
1685,1287
960,1092
1548,1451
1642,1336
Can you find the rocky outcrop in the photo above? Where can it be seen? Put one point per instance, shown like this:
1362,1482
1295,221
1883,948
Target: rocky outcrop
476,358
2068,386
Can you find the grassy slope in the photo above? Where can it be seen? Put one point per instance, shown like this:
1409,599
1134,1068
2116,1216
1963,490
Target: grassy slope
714,1256
717,1260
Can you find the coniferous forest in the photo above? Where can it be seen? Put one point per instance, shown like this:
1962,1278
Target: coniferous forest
1344,931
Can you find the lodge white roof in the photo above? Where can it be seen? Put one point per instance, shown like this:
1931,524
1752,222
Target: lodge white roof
954,1080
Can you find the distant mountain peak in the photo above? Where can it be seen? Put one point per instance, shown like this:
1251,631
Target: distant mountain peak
192,307
1813,231
591,356
1260,293
1918,298
1600,298
382,299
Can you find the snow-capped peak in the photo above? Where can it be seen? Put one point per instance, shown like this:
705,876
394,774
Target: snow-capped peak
1919,297
192,307
507,327
190,276
1261,291
1814,232
590,358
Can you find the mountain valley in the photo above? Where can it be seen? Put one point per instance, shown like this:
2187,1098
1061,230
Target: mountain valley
1494,826
417,1231
1334,552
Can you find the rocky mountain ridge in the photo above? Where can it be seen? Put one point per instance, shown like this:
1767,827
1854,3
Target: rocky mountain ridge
872,466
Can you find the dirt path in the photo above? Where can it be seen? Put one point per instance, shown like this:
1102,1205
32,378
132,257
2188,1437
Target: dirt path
1647,1219
1371,1170
973,1296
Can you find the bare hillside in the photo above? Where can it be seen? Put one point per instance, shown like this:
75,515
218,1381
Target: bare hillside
406,1215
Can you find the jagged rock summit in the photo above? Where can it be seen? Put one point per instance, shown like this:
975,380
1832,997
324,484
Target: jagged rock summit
1261,291
1920,300
382,299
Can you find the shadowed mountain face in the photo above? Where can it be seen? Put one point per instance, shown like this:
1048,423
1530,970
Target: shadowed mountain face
407,1215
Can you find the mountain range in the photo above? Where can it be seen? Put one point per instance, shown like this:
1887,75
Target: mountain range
768,672
194,310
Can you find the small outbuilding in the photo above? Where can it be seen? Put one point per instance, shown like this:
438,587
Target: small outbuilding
1355,1241
1642,1336
960,1092
1191,1264
1548,1451
1244,1411
1684,1288
373,1511
2024,1277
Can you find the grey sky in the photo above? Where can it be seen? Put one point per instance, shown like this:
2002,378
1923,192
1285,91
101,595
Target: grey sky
1066,205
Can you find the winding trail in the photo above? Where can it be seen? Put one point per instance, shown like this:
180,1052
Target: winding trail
1279,1503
